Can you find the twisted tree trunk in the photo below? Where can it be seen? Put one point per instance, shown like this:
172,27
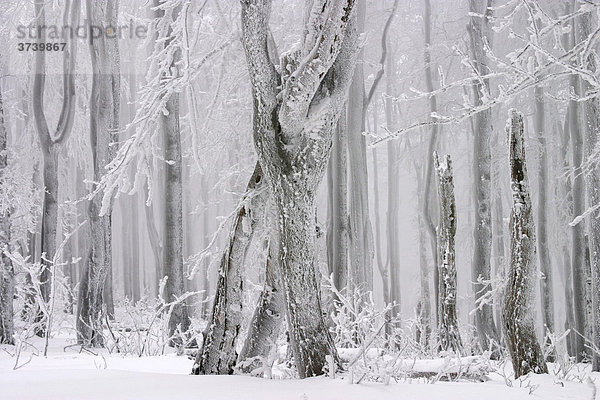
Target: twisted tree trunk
518,311
267,320
218,354
294,118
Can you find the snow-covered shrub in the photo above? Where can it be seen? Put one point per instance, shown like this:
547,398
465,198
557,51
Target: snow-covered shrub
370,352
142,327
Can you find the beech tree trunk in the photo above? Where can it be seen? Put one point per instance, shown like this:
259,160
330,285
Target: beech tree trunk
449,335
591,126
104,121
393,220
578,249
218,354
173,205
518,313
546,288
432,145
49,142
338,193
7,284
294,118
480,34
267,320
361,232
173,244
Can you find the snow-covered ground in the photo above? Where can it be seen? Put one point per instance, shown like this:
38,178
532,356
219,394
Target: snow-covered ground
68,374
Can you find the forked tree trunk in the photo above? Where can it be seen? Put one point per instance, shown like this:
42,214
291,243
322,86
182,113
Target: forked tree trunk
49,143
218,354
518,314
294,118
104,121
7,285
449,336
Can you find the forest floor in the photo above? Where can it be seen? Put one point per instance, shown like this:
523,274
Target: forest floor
66,373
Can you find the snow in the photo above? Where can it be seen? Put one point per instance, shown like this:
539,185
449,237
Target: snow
68,374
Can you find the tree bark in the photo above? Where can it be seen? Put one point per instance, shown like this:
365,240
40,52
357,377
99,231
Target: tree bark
218,354
449,335
518,314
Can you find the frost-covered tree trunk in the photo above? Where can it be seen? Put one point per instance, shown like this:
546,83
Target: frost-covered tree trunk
361,232
268,317
7,284
518,313
591,127
218,354
294,118
480,35
546,288
338,193
51,141
104,122
449,336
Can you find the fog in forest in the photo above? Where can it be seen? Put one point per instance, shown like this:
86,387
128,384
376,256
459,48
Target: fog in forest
383,192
